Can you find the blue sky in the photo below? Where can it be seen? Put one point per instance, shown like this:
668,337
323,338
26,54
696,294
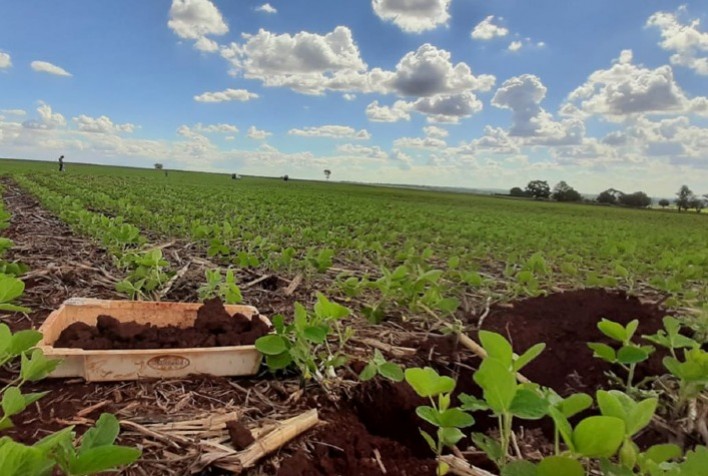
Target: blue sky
437,92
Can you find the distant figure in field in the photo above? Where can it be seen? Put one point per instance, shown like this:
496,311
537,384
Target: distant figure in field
285,177
61,163
233,176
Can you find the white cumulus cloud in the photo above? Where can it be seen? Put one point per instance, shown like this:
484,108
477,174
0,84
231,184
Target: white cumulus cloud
193,19
216,128
45,67
686,40
332,131
5,60
487,30
226,95
515,46
400,111
47,119
414,16
266,8
258,134
101,125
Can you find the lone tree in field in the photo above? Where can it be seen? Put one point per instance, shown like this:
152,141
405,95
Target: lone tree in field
517,192
563,192
538,189
696,204
684,197
636,200
663,203
327,173
609,196
158,166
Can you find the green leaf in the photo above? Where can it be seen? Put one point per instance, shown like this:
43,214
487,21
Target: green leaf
559,465
427,383
610,404
102,458
472,404
316,334
563,426
641,415
450,436
271,345
497,346
631,328
12,402
428,414
279,361
17,459
5,338
32,397
598,436
530,354
454,417
429,439
661,453
519,468
603,351
103,433
37,366
490,446
22,341
10,288
368,373
278,322
528,405
498,383
575,404
612,330
631,354
63,436
391,371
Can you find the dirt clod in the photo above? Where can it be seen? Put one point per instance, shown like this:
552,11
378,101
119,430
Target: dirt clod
214,327
241,436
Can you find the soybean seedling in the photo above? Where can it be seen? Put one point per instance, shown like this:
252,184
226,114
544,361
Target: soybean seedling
448,420
628,354
379,366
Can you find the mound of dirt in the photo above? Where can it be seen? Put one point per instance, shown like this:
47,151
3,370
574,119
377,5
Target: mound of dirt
566,322
344,446
214,327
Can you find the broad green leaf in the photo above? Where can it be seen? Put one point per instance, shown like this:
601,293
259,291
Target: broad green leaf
530,354
472,404
631,328
641,415
498,383
22,341
63,436
10,288
490,446
528,405
102,458
316,334
429,439
575,404
610,404
613,330
5,338
368,373
695,463
450,436
391,371
278,322
519,468
603,351
12,402
279,361
103,433
662,453
17,459
36,366
628,453
598,436
428,414
427,383
559,465
631,354
497,346
454,417
32,397
271,345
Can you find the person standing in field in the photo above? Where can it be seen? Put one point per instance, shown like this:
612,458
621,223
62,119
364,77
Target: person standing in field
61,163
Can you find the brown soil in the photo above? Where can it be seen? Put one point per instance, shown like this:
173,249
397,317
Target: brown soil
345,447
214,327
241,436
566,322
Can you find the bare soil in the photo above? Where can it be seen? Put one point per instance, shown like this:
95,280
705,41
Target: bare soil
214,327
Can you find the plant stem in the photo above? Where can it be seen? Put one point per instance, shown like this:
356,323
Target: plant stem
630,376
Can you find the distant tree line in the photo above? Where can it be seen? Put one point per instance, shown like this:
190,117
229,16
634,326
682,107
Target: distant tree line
562,192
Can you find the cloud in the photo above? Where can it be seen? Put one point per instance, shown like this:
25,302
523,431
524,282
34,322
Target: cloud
349,96
258,134
448,108
413,16
523,95
357,150
193,19
688,43
627,89
400,111
305,62
226,95
101,125
45,67
419,143
436,132
486,30
5,60
429,71
207,45
47,119
332,131
216,128
266,8
14,112
515,46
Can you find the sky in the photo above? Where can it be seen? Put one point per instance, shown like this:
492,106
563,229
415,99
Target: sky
458,93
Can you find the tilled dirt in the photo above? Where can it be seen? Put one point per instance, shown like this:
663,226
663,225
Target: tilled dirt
213,327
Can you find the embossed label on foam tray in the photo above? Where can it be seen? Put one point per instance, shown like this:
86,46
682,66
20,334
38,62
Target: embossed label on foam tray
168,362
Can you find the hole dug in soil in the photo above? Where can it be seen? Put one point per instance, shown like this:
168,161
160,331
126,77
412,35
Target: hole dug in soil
214,327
